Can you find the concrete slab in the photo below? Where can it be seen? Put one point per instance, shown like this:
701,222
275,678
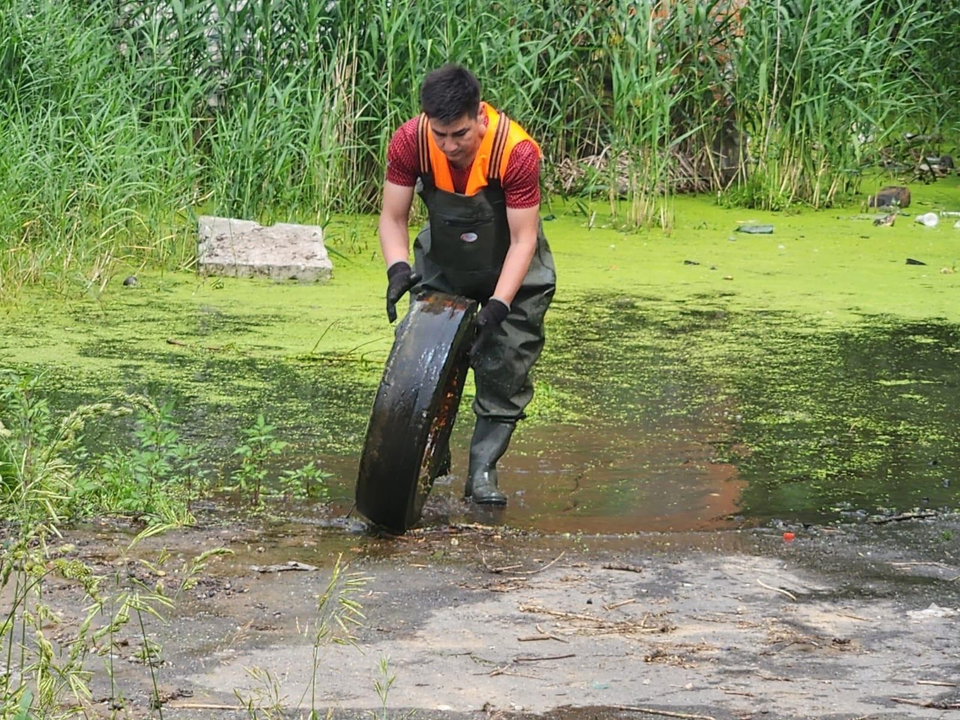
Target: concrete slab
243,248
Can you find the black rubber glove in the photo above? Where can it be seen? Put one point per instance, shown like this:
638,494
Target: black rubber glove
400,278
488,320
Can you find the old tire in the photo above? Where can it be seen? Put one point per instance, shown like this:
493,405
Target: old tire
414,410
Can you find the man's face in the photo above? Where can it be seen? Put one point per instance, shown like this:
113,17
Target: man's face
460,139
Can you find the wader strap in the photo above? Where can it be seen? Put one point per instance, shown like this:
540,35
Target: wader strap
423,148
499,145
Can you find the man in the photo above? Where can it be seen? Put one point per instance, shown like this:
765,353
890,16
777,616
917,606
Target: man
477,172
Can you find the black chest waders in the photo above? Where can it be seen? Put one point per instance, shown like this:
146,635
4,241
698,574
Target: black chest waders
460,254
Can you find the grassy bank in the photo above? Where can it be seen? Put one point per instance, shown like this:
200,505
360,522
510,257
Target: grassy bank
122,121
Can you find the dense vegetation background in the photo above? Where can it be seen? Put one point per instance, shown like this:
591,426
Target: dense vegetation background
120,118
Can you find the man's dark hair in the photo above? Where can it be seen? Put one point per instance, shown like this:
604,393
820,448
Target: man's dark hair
450,92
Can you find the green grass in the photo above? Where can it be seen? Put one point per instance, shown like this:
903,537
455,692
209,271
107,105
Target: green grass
121,122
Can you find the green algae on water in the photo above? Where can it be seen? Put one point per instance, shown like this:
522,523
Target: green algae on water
782,375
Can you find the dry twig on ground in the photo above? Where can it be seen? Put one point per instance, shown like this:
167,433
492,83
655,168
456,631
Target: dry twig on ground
626,567
933,704
664,713
790,595
583,624
512,569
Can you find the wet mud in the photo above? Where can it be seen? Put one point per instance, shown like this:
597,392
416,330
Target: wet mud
478,621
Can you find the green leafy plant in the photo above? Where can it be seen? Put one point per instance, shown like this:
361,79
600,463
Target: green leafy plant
266,700
259,444
155,479
308,481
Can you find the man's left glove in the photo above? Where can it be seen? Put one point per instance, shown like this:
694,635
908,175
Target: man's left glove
489,319
400,278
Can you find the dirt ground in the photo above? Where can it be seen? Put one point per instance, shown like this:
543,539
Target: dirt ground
854,621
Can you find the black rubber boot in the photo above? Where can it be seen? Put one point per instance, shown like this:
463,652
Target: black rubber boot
490,441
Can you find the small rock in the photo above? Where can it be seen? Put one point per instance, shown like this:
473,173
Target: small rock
929,219
911,261
756,229
890,196
728,277
690,262
886,220
947,271
130,281
946,161
933,611
956,225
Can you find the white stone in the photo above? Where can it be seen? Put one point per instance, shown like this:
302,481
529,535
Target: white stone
243,248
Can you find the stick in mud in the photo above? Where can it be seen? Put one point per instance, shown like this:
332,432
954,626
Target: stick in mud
510,569
664,713
614,606
790,595
626,567
938,683
933,704
903,516
541,658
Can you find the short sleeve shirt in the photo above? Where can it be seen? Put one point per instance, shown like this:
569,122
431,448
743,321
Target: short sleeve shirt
521,181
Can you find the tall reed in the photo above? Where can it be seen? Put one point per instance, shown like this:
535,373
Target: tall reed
120,120
817,86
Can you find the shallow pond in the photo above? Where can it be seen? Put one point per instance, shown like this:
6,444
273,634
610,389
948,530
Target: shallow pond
694,379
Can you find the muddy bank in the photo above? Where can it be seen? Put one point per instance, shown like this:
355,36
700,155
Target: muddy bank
843,622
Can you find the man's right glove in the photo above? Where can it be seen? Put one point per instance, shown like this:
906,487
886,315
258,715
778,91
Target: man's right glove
490,317
400,278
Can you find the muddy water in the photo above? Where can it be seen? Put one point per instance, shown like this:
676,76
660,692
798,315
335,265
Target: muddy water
776,424
688,419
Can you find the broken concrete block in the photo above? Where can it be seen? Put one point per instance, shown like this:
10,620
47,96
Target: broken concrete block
243,248
891,196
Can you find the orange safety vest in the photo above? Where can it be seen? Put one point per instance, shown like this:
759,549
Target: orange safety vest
492,158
